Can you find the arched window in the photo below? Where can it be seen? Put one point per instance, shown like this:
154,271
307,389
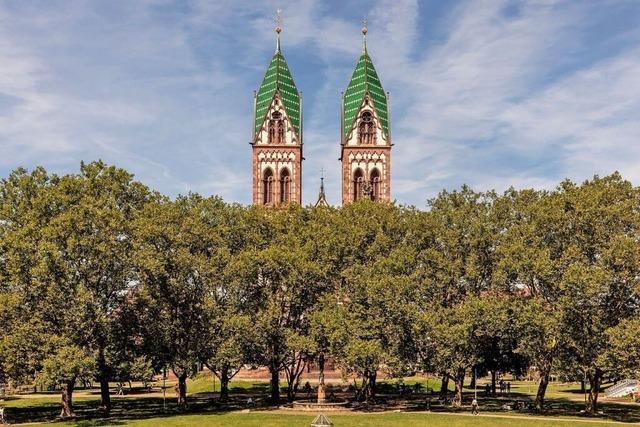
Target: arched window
371,133
267,187
358,182
375,184
285,186
281,139
276,128
362,133
367,129
272,131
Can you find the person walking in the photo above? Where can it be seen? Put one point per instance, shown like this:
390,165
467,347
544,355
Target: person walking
474,406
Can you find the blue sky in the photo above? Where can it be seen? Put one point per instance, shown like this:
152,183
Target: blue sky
490,93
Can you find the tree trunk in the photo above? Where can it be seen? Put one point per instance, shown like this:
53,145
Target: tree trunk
105,405
544,372
182,389
594,389
494,375
275,384
372,384
224,385
473,380
457,399
444,386
103,374
67,399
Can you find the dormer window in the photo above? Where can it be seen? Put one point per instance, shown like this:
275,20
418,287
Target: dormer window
366,129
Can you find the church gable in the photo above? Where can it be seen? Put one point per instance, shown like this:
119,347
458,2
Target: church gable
276,128
367,127
277,80
364,81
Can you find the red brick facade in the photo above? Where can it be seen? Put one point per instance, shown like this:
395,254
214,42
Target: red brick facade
278,158
366,159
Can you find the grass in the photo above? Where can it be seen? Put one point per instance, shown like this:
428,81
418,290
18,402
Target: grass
262,419
204,383
566,401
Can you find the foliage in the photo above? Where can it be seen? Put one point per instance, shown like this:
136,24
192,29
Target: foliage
102,278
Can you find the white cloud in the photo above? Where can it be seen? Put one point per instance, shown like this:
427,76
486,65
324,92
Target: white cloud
508,94
486,110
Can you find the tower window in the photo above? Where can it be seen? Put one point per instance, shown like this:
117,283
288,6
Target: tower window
375,184
358,182
285,186
281,139
367,129
272,131
267,187
276,128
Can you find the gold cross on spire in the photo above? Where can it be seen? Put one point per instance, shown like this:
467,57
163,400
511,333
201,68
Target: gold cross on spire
363,21
278,29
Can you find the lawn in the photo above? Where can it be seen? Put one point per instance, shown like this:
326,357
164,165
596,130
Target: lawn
139,408
265,419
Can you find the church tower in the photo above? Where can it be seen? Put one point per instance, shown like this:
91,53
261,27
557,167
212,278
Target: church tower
277,135
365,134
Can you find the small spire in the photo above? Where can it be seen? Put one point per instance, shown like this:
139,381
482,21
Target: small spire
364,34
322,198
278,29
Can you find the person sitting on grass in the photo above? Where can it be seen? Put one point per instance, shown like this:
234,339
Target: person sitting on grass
251,403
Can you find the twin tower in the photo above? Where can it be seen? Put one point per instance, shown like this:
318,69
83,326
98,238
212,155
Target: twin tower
277,136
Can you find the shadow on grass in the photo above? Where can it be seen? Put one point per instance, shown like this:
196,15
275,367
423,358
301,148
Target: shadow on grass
556,407
144,407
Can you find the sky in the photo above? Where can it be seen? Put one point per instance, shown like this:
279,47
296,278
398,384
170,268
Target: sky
489,93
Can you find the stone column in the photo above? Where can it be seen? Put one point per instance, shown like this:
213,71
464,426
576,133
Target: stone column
322,398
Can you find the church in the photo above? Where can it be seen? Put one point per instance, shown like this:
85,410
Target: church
277,135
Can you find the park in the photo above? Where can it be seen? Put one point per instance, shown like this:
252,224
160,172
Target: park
121,305
138,406
468,253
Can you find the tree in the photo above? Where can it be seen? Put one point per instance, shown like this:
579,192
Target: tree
67,245
365,320
88,251
177,257
282,275
592,244
531,266
540,340
22,218
231,339
449,341
623,353
66,365
455,260
230,346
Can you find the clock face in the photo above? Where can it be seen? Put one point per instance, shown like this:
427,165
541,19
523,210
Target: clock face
366,188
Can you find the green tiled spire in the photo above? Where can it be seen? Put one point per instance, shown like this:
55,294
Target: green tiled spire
278,79
364,80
